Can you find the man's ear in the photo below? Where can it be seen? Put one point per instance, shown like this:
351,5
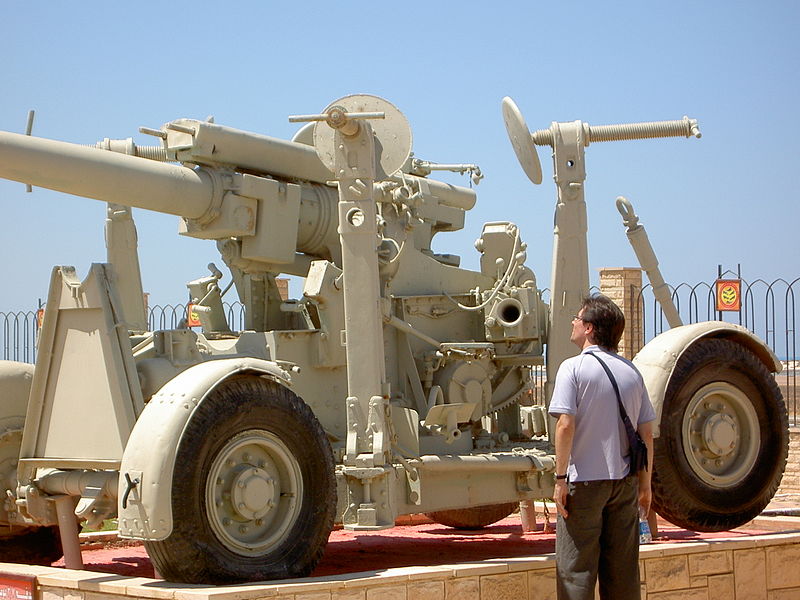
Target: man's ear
589,329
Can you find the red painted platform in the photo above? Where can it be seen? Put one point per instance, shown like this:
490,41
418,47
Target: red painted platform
403,546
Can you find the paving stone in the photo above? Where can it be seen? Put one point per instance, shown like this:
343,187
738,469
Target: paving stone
668,573
459,589
102,596
511,586
750,574
426,590
542,585
787,594
782,567
721,587
696,594
710,563
391,592
345,594
313,596
60,594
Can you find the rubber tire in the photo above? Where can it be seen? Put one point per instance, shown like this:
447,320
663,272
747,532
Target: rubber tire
679,494
39,546
193,553
473,518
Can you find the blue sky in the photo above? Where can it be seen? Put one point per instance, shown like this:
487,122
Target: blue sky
100,69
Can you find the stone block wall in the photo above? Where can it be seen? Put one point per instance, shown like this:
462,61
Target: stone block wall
790,484
623,285
748,568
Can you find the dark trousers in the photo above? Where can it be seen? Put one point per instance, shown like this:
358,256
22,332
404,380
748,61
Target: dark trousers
600,537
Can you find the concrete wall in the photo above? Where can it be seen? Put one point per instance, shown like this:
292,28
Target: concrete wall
747,568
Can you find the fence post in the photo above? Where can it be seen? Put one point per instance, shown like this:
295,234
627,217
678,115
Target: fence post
623,285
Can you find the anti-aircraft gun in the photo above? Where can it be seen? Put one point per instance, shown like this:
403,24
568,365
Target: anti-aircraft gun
391,387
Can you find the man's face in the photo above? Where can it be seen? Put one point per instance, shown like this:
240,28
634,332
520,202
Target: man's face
579,330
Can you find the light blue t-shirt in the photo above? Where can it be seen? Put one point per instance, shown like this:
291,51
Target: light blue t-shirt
582,388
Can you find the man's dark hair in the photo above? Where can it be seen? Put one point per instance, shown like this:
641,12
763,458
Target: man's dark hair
606,318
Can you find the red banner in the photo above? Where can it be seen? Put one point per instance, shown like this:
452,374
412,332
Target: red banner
192,320
729,294
17,587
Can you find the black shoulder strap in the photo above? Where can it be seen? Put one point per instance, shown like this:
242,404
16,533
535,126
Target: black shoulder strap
629,429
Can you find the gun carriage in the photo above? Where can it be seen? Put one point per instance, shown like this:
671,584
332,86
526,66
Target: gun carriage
392,386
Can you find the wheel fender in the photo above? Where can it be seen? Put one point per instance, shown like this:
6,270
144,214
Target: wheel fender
657,360
148,463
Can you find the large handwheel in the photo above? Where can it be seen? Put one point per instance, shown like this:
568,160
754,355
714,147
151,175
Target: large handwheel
473,518
723,443
253,494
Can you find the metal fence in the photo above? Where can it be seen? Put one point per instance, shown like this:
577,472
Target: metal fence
769,309
18,336
171,316
20,329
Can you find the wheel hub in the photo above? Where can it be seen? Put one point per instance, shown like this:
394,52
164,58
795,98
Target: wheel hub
253,493
721,434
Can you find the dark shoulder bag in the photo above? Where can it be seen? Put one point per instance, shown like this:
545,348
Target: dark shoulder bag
638,451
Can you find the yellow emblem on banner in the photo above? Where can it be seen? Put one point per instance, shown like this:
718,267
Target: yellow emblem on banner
192,320
729,294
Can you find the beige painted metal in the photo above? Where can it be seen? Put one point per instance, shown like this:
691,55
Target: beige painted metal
69,531
106,176
82,340
122,254
637,236
148,512
346,137
570,270
346,144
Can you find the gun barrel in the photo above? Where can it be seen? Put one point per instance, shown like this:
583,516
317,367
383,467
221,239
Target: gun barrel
214,144
106,176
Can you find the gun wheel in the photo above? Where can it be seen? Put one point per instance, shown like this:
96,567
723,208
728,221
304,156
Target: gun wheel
253,494
473,518
723,444
20,544
30,545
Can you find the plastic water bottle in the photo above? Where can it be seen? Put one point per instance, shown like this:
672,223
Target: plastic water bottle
645,536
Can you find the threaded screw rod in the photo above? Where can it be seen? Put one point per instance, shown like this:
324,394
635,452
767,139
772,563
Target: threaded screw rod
685,127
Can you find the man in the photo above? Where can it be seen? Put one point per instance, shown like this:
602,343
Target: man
596,496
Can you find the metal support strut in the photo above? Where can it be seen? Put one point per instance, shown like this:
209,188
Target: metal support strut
68,527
